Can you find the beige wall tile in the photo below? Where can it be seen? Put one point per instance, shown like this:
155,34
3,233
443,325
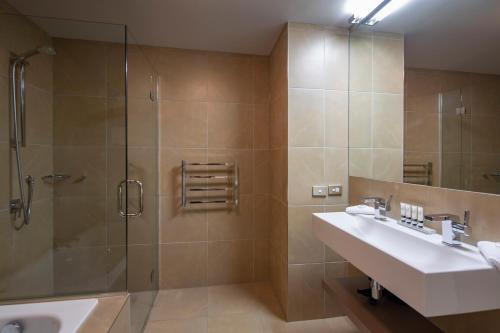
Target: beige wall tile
422,132
170,166
115,122
230,262
139,73
360,120
305,292
79,120
388,65
360,75
89,162
230,125
231,224
306,56
336,60
38,116
388,164
387,118
115,70
306,167
361,162
4,109
140,263
303,245
178,224
183,265
71,269
5,176
184,73
81,221
143,120
261,260
336,119
262,126
337,172
183,124
306,117
230,78
79,68
262,171
262,220
261,84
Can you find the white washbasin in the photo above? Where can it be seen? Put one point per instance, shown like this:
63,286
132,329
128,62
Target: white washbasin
431,277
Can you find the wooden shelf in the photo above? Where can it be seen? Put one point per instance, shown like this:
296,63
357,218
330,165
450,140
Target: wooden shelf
388,316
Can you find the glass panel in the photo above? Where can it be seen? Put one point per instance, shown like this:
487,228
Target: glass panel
75,151
142,166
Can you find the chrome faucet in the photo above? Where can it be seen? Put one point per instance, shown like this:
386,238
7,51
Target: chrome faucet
452,229
381,206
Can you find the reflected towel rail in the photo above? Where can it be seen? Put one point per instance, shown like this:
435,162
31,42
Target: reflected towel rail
415,173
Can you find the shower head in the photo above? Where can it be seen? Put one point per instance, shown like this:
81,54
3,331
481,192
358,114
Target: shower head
45,49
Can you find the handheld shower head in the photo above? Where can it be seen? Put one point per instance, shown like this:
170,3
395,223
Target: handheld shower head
45,49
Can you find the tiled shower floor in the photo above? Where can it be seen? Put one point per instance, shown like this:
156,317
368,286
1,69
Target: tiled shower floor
243,308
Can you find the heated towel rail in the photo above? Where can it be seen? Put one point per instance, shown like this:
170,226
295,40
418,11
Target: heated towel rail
418,173
220,183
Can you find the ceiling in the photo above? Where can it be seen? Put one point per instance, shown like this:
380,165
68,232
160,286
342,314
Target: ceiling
441,34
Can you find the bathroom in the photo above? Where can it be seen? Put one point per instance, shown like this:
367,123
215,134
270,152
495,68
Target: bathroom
259,166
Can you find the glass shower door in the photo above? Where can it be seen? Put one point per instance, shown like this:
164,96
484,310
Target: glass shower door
453,140
142,240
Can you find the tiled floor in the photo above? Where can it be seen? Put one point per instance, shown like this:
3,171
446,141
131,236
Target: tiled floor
243,308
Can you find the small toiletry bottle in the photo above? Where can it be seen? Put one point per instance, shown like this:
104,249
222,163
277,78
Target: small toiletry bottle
414,215
408,214
420,217
403,212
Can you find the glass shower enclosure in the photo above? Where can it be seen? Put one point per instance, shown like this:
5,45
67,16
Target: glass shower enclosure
78,162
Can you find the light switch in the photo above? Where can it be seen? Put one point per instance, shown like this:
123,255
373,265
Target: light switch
320,191
334,189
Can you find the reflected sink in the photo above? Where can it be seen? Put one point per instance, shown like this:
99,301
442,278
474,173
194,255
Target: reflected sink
431,277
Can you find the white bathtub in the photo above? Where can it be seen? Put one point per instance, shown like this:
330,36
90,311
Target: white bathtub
48,317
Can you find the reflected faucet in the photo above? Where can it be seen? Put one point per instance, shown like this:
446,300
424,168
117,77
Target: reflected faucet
381,205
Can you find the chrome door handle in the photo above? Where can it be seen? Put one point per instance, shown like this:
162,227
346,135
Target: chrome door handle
121,211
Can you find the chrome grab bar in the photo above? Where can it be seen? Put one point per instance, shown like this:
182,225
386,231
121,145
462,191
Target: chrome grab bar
121,211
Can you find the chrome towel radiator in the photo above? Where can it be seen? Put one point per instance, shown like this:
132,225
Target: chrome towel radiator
420,174
220,186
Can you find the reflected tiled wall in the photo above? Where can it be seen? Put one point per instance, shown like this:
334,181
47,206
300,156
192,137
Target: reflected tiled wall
317,142
89,114
479,154
26,255
484,221
214,107
376,106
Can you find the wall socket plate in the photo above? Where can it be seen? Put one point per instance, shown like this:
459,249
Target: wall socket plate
320,191
334,190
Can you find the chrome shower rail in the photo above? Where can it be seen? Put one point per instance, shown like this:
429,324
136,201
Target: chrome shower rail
212,185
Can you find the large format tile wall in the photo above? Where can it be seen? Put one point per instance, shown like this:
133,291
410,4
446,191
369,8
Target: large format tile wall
26,255
484,221
376,106
317,141
279,168
464,165
214,108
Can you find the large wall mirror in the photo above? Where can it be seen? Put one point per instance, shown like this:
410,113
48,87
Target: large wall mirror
425,96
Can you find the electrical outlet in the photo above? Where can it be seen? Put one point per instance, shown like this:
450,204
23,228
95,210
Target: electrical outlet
334,190
320,191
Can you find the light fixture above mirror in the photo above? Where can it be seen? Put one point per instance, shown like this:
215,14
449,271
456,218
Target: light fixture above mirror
370,12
